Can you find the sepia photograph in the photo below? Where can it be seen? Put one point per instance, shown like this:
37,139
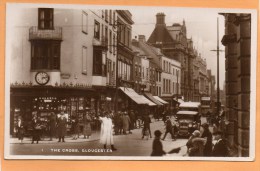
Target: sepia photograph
89,82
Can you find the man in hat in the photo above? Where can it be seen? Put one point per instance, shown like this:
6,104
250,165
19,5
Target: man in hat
157,144
220,149
208,136
168,128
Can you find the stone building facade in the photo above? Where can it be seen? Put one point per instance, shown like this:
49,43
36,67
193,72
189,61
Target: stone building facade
237,40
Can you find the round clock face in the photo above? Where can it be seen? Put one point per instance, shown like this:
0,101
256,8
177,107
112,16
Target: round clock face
42,78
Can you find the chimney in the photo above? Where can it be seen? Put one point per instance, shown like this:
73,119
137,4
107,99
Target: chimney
141,38
160,19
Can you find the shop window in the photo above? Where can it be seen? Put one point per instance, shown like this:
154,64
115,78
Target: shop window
97,30
45,55
84,22
45,18
84,60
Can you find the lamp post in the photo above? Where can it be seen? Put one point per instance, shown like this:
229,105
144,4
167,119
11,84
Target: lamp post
217,50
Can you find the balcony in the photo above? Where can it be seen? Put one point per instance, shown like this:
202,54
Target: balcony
102,43
41,34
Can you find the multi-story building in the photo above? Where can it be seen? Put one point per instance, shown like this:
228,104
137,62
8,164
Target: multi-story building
60,60
237,40
125,54
173,42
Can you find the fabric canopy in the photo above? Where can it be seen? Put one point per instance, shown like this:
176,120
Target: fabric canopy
150,97
160,100
150,103
133,95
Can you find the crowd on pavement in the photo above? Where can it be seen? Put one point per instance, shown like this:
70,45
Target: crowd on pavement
200,142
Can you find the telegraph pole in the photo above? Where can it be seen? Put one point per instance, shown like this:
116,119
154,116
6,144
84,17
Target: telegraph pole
218,50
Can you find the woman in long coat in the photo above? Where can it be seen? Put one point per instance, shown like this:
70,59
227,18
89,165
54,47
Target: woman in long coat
20,129
36,129
106,132
52,125
87,125
62,127
126,122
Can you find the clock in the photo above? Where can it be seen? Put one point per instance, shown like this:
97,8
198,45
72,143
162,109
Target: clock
42,78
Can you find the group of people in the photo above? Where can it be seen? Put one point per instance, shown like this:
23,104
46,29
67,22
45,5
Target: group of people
199,144
55,127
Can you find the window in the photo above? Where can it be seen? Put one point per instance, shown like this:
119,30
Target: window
99,62
114,44
106,15
45,18
103,13
97,30
84,22
106,34
114,17
110,41
173,87
110,16
84,60
173,71
45,54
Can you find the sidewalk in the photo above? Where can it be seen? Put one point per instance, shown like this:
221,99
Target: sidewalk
68,139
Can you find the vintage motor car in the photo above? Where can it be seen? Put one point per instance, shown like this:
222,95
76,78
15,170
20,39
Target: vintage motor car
188,118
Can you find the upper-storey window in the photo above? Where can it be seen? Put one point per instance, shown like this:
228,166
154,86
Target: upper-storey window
45,18
45,55
84,22
97,30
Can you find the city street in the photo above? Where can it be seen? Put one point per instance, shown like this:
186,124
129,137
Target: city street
127,145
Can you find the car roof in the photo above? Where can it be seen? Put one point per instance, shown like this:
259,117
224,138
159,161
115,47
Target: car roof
187,113
190,104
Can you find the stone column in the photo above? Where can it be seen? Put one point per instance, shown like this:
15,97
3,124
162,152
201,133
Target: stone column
243,63
229,41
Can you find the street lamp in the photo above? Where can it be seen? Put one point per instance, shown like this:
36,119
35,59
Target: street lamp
217,50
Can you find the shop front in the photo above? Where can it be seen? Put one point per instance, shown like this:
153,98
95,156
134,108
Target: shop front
40,101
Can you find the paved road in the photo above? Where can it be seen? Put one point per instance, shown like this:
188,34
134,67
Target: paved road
127,145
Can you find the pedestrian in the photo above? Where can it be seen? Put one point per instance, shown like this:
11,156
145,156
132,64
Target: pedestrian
220,149
52,125
20,129
106,132
195,144
168,128
208,136
62,127
118,123
146,121
87,131
133,120
36,129
157,144
126,123
75,127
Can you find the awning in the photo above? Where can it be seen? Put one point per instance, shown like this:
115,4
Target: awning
160,100
178,101
133,95
150,103
150,97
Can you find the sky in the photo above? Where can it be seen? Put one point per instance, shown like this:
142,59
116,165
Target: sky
201,25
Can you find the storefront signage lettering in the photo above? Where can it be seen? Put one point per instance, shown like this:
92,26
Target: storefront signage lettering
65,75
